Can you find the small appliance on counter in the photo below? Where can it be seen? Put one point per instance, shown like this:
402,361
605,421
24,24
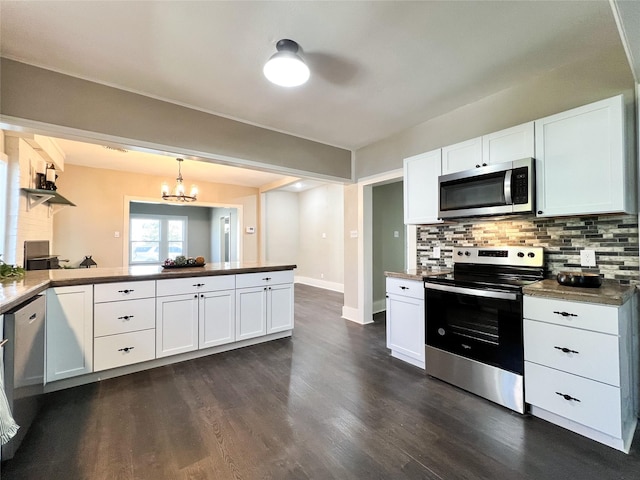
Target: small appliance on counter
37,256
579,279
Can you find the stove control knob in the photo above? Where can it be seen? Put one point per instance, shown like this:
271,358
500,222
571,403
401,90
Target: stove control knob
520,254
531,254
467,253
459,253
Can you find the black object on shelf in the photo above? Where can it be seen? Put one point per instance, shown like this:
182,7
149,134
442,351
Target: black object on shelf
88,262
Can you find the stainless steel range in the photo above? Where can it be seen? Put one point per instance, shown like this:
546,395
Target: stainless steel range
474,321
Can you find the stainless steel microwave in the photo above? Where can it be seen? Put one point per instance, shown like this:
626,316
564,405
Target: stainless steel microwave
499,189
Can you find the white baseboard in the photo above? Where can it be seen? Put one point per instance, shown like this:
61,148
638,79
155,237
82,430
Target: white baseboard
314,282
353,315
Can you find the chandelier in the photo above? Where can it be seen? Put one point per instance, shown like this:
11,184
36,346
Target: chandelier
178,194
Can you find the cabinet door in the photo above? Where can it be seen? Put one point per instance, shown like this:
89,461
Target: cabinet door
462,156
69,332
251,312
510,144
421,174
405,328
279,308
217,318
176,324
580,163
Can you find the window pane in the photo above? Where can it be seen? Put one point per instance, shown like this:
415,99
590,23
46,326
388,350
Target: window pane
145,229
145,252
175,230
175,249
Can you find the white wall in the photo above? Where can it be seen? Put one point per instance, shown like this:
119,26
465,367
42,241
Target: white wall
281,226
321,237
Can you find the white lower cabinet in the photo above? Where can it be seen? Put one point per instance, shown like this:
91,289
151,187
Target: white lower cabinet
264,304
406,320
579,367
69,332
217,318
124,324
176,324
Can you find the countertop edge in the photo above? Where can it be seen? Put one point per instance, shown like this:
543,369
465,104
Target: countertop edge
417,275
27,293
614,295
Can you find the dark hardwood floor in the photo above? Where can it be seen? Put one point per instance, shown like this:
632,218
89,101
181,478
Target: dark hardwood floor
329,403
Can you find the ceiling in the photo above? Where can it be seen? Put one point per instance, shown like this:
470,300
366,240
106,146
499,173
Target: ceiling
377,67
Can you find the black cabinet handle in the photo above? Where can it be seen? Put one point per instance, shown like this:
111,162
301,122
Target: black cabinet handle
540,212
126,317
404,288
198,284
125,291
566,350
125,349
267,278
484,164
567,397
566,314
477,165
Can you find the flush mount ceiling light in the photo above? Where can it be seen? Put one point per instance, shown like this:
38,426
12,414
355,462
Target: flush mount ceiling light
178,194
286,68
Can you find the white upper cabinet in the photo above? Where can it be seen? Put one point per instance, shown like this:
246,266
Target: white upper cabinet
421,188
581,165
507,145
462,156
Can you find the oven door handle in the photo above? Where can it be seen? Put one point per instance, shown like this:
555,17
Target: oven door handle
474,292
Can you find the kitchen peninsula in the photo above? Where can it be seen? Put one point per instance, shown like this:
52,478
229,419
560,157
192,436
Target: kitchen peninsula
106,322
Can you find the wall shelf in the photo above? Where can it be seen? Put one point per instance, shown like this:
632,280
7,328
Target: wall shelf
36,196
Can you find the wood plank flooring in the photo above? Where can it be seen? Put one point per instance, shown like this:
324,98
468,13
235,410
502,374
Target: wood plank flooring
329,403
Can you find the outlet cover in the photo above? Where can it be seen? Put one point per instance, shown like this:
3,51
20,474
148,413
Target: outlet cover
588,258
436,252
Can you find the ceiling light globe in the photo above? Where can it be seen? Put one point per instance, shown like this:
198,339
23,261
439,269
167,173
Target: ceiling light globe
286,69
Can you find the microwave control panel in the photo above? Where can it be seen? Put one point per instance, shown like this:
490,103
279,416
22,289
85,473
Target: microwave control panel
520,185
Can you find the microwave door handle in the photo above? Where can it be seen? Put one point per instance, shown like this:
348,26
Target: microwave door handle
507,188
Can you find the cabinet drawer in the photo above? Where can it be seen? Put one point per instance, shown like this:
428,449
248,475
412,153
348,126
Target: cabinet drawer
592,355
598,406
406,288
590,316
263,278
111,318
109,352
109,292
180,286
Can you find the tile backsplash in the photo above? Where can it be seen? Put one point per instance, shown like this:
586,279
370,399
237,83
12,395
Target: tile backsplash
613,237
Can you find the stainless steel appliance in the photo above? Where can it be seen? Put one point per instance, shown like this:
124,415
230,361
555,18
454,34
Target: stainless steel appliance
24,366
500,189
37,256
474,321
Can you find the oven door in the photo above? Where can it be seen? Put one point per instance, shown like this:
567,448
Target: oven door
481,324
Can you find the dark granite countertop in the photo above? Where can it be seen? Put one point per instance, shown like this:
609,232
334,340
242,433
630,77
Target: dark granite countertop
419,273
15,292
609,293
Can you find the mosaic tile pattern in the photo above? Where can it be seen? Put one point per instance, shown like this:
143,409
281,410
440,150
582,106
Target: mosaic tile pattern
613,237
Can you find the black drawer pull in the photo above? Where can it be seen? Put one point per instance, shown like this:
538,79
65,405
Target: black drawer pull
567,397
125,349
566,350
198,284
126,317
404,288
566,314
267,278
125,291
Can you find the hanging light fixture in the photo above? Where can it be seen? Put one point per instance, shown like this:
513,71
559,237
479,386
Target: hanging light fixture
286,68
178,194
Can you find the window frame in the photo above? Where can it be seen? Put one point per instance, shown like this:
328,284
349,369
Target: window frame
163,242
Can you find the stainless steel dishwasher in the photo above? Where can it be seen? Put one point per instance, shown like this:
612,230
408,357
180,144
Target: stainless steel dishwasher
24,366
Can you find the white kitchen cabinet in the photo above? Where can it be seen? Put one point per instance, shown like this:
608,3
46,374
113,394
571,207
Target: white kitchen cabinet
201,315
69,332
579,367
176,324
462,156
581,163
264,303
421,174
124,323
508,145
217,318
406,320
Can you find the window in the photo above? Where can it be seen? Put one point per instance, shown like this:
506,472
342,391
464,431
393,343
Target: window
152,238
4,200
